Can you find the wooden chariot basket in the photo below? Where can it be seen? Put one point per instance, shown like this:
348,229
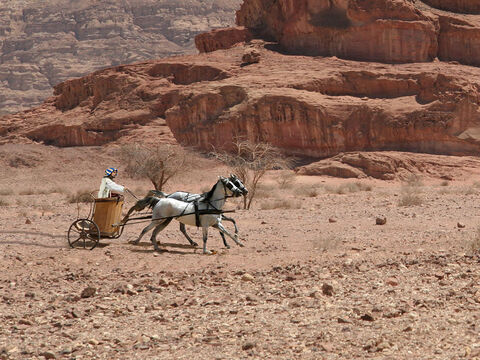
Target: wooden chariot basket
108,211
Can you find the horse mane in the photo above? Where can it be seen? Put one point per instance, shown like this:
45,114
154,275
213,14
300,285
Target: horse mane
208,195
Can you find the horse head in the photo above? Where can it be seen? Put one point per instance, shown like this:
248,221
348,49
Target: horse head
230,187
238,183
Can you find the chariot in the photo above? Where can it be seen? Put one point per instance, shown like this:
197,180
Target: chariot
103,221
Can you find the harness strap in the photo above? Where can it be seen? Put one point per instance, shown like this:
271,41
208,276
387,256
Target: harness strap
197,215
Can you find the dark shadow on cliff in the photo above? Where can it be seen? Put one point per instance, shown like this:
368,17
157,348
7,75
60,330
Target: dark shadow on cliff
276,47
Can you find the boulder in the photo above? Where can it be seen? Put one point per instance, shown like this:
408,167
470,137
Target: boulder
251,56
222,38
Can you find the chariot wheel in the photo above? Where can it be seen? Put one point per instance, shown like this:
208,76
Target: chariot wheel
84,234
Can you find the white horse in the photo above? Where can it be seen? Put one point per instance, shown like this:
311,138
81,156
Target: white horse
204,213
189,197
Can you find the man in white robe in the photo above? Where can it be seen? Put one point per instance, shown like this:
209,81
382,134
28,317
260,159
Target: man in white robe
108,186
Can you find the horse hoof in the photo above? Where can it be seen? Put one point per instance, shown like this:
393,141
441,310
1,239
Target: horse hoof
240,244
207,252
133,242
227,246
194,244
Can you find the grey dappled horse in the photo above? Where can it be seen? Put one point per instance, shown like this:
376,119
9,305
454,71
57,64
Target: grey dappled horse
205,212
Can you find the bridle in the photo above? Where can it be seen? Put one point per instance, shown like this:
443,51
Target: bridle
228,184
238,183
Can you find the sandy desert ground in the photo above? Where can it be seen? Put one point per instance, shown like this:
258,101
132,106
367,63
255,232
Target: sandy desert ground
317,279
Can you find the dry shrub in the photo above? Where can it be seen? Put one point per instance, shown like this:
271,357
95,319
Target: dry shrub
286,179
469,191
326,242
348,188
474,244
52,190
413,181
281,204
27,192
250,161
45,208
411,193
158,163
81,196
4,202
265,191
410,197
28,161
307,190
445,191
43,191
58,190
6,192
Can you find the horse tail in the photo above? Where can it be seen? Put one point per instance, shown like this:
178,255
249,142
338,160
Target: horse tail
141,204
151,201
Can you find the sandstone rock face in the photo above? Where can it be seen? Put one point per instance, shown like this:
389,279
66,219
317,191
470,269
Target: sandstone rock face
458,6
45,43
389,165
221,38
379,30
392,31
307,106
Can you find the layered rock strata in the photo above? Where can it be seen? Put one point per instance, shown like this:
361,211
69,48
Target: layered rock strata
307,106
222,38
390,165
391,31
47,42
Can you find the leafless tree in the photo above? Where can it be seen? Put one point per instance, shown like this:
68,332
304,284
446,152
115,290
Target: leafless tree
250,161
156,163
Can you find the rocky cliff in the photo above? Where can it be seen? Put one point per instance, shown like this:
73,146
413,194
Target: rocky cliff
307,106
45,43
391,31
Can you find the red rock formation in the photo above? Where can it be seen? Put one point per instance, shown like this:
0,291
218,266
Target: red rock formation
459,40
222,38
43,43
392,31
306,106
458,6
389,165
380,30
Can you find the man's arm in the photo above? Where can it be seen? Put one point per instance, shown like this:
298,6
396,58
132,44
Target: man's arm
113,187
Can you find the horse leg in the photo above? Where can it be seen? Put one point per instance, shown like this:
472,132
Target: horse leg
184,232
222,229
226,218
205,236
224,240
145,230
157,229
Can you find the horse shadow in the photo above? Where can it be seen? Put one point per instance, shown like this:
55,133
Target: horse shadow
166,251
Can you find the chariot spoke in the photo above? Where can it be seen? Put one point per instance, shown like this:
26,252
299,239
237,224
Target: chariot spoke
72,243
